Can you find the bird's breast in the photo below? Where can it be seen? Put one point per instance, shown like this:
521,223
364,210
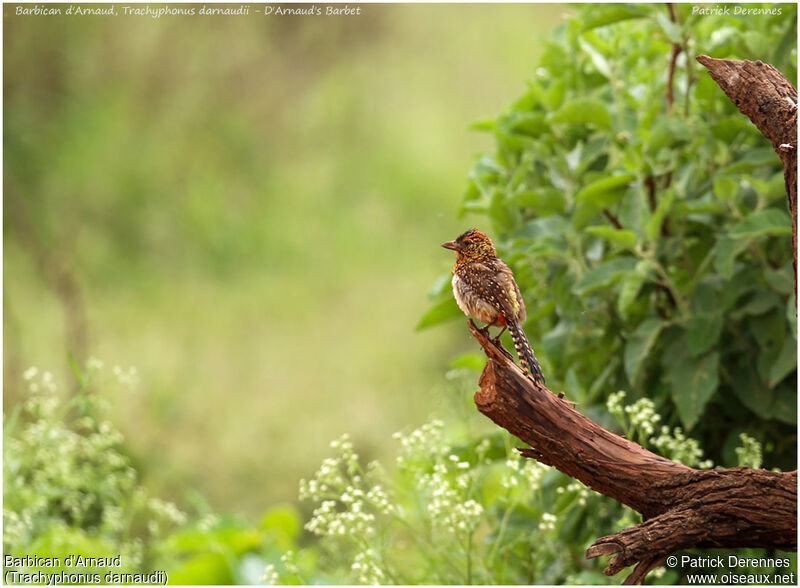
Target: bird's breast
471,303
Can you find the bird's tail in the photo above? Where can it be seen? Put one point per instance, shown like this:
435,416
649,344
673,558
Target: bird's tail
525,352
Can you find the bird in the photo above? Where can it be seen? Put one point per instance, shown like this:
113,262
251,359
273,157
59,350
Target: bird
484,288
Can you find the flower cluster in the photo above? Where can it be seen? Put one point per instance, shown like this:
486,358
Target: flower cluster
639,417
127,377
643,416
366,568
678,447
329,520
523,471
349,500
421,445
575,487
270,576
749,454
450,507
548,522
615,407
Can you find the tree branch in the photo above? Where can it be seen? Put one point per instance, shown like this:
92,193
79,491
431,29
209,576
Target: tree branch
682,507
770,101
673,61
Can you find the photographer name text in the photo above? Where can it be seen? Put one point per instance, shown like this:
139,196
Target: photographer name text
737,10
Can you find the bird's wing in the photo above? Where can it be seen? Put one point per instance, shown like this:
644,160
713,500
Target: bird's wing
521,313
507,277
495,284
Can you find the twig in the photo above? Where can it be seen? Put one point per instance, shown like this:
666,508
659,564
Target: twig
613,219
673,60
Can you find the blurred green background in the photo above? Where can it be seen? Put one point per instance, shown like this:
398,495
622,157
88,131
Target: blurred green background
248,210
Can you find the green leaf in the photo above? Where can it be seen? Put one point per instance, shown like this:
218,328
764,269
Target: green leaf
283,523
668,132
784,405
590,153
606,14
83,379
638,346
441,285
604,274
619,236
442,311
779,403
472,361
605,191
485,124
703,332
546,200
761,302
670,29
630,286
770,221
583,111
754,159
551,227
786,362
598,59
526,123
555,94
756,42
781,280
727,129
504,217
725,252
653,227
693,382
726,188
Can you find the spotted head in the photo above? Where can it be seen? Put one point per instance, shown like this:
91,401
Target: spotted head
472,246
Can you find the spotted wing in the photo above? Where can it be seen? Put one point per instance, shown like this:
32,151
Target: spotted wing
495,285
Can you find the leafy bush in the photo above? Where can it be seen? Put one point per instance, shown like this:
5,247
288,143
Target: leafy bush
69,489
649,234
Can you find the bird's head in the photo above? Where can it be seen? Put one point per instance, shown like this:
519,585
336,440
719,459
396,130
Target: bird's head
472,246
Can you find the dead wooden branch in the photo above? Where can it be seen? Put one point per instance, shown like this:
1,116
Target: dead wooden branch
681,507
770,101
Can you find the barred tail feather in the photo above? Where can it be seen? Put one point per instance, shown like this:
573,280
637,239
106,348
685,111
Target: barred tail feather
525,352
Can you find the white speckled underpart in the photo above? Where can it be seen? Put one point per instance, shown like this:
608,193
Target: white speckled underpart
471,304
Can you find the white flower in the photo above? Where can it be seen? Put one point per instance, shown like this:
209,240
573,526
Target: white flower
270,575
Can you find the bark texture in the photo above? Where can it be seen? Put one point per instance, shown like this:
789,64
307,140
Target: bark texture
681,507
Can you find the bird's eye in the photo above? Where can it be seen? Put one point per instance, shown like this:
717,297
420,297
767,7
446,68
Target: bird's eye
467,242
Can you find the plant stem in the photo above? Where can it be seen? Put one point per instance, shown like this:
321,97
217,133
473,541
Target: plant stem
469,559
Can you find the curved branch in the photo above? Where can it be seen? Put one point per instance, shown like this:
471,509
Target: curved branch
682,507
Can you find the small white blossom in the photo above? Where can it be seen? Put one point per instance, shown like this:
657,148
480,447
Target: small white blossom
270,576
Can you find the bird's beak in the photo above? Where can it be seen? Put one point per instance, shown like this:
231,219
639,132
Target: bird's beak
450,245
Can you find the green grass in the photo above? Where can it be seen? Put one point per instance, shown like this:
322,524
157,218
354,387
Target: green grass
252,209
